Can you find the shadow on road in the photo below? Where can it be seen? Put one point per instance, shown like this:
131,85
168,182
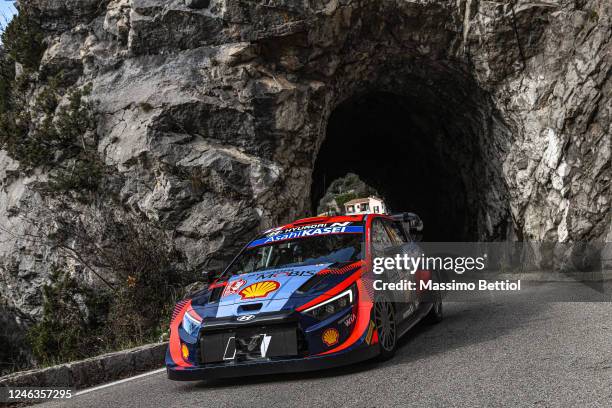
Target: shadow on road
464,324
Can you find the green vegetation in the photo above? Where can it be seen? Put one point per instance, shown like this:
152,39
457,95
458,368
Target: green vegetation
145,106
46,133
22,44
593,16
46,125
145,290
23,40
80,169
143,283
55,128
342,190
81,176
36,128
71,327
342,199
7,77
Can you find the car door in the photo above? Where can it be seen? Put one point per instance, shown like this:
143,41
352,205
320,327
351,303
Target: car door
403,246
384,244
413,250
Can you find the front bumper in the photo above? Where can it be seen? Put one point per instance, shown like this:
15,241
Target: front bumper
251,368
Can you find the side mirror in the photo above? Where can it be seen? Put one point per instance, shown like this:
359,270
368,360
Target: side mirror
412,224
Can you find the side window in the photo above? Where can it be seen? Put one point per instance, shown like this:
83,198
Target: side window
379,237
395,232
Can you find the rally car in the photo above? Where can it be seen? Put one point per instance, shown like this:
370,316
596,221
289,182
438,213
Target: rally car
297,298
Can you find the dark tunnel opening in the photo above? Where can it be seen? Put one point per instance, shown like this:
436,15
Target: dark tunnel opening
406,151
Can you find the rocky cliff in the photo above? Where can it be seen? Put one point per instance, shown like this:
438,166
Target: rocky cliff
213,112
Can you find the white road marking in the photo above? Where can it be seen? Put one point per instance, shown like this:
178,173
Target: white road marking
85,391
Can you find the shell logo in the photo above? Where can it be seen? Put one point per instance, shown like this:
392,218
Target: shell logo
259,289
330,337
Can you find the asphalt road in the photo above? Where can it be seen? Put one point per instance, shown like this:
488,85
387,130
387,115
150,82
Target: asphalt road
491,353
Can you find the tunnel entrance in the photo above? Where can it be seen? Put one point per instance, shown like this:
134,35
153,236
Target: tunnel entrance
419,156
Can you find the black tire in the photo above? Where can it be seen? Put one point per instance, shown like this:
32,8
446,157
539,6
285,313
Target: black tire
436,314
386,328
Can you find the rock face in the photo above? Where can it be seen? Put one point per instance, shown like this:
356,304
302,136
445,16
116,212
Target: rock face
214,112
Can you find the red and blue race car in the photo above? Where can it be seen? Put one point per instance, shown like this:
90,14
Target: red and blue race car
300,297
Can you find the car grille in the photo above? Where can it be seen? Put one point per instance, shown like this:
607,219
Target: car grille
261,342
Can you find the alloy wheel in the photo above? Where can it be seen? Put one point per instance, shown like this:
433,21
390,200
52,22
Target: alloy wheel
385,324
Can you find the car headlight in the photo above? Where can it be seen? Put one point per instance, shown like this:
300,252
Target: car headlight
190,324
332,306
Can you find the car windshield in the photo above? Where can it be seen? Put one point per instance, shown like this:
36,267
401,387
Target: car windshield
331,248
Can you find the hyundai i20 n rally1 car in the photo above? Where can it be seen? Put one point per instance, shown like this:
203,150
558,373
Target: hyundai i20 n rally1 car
300,297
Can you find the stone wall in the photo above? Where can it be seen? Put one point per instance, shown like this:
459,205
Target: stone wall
96,370
214,111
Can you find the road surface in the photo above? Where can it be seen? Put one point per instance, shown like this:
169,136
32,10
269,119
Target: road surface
490,353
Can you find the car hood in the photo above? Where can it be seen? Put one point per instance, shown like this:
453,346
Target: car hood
269,284
269,290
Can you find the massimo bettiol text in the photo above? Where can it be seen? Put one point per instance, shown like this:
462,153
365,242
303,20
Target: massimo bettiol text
419,271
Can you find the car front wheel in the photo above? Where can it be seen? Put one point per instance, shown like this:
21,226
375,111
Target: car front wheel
386,327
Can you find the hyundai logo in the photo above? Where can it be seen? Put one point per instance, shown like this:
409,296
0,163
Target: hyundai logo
245,318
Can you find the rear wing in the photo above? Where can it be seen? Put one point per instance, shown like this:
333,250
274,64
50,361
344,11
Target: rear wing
412,223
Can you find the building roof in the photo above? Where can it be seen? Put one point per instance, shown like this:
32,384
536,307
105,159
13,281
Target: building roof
357,201
362,200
